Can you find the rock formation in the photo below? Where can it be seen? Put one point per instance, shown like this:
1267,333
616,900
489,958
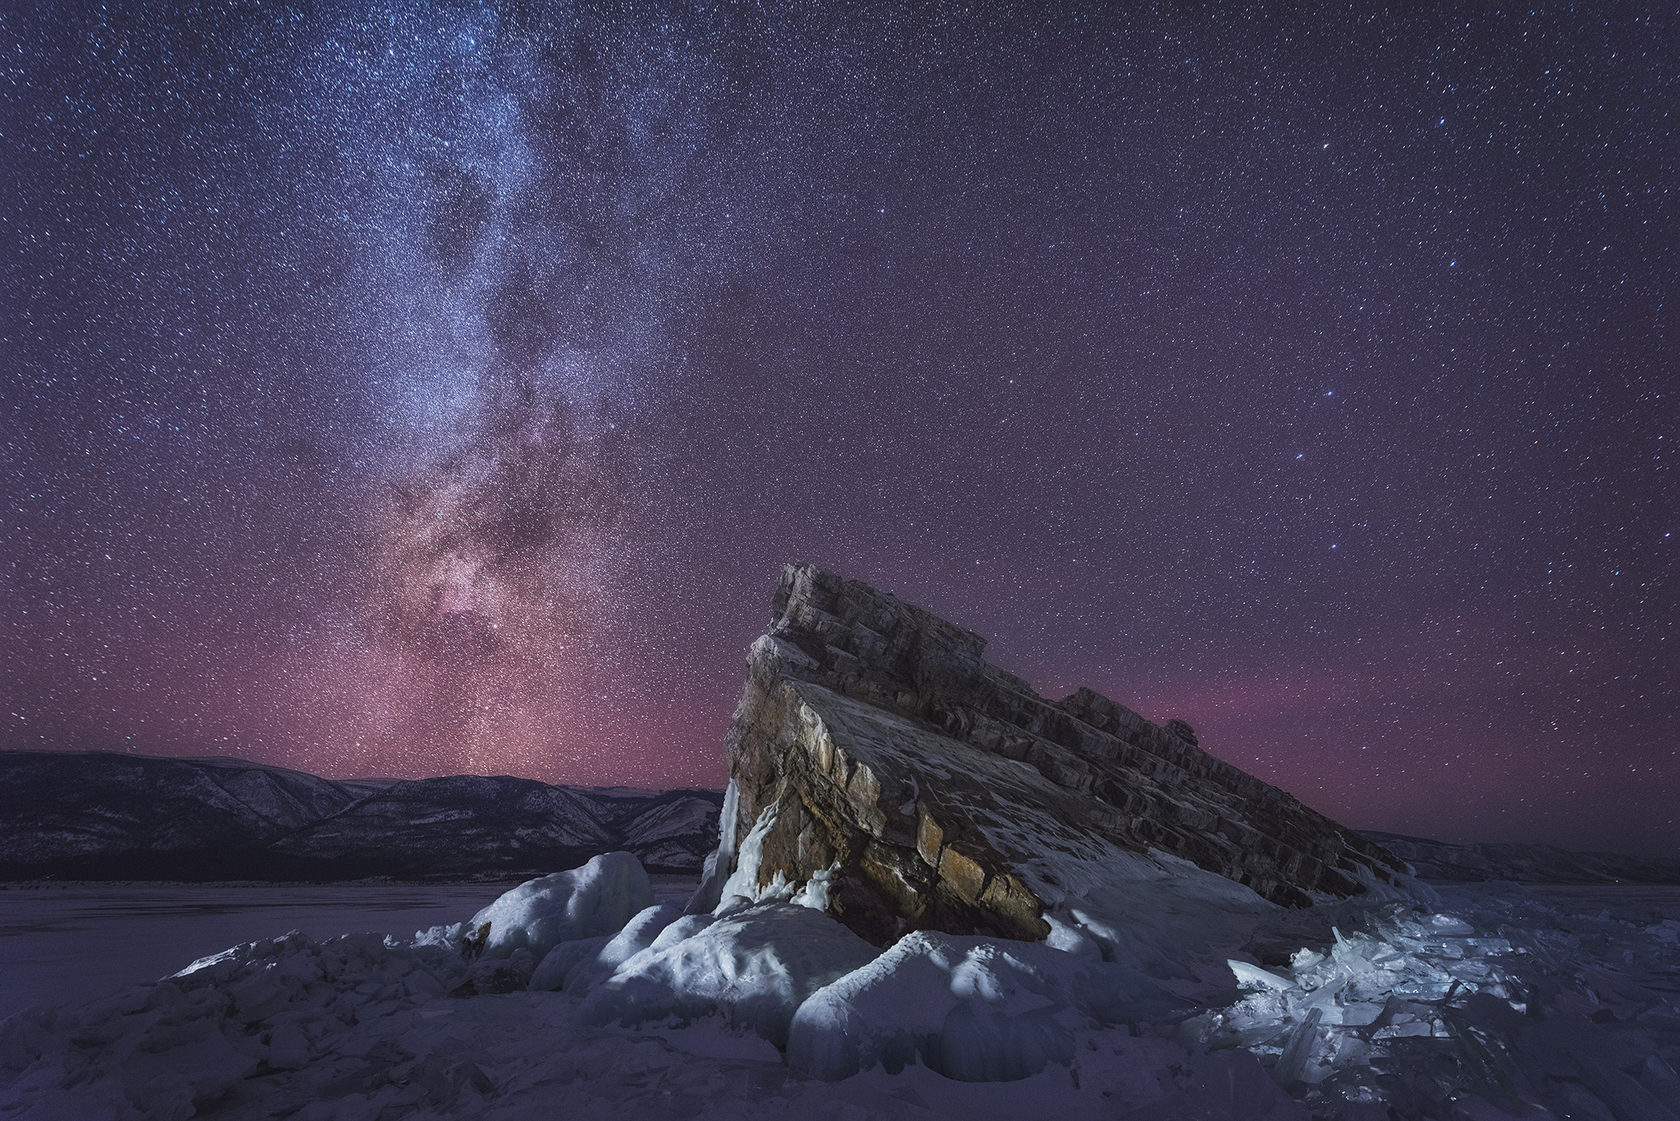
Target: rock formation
877,755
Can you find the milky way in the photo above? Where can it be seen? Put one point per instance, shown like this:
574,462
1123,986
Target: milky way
406,391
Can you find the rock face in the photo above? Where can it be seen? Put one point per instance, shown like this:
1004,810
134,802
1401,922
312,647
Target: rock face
876,751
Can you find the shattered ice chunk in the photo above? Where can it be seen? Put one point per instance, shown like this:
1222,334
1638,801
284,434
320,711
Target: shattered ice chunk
1304,959
1292,1064
1254,975
209,960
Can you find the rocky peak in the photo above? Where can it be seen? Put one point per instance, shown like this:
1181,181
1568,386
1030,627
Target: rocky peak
875,751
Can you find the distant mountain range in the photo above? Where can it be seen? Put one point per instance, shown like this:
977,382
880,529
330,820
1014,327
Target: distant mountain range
113,816
1532,864
104,815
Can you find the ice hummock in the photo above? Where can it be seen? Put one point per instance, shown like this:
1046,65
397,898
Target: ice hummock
756,966
970,1008
593,901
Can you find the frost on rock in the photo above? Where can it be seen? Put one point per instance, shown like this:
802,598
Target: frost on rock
1151,912
815,892
593,901
731,879
755,965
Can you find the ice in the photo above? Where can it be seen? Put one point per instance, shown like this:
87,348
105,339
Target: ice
974,1009
638,934
742,886
720,864
1253,975
1490,1003
163,1050
81,942
1292,1064
592,901
755,965
815,892
965,1007
1228,1085
578,963
560,967
731,877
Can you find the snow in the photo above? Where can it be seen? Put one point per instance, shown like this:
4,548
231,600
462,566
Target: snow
580,962
79,942
974,1009
589,902
755,966
159,1050
1490,1001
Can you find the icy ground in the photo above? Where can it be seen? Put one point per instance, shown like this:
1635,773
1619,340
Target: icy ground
1491,1001
75,942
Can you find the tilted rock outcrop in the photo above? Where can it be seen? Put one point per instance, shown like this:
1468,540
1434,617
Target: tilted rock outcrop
873,743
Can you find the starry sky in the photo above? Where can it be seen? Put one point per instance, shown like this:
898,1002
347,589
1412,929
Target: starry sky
401,390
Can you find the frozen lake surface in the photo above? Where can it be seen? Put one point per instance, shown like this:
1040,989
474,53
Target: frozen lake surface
1496,1002
66,942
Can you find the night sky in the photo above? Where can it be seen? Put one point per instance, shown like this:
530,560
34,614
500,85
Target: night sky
440,391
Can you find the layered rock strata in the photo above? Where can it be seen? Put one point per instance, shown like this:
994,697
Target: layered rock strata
876,752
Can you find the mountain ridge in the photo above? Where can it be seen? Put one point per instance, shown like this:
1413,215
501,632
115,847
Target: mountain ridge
113,815
1533,863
